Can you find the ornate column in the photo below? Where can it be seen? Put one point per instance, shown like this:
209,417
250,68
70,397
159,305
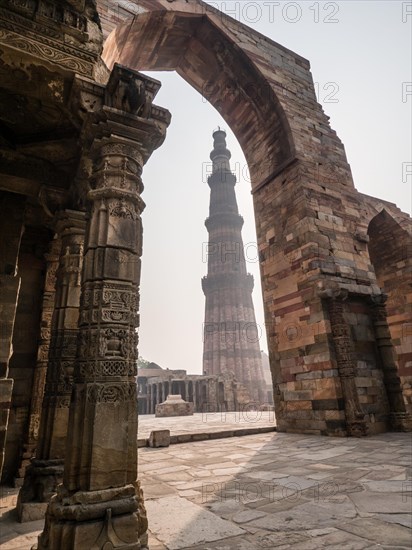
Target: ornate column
100,503
399,418
53,430
39,376
46,470
345,357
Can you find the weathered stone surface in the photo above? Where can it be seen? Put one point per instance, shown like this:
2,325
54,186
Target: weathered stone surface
40,370
382,533
174,406
239,497
32,511
159,438
173,519
383,503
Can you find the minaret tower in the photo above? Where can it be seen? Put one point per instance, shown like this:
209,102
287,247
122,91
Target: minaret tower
231,337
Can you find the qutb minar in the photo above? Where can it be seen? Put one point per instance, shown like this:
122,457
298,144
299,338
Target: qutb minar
231,336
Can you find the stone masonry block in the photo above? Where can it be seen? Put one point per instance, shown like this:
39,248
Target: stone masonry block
159,438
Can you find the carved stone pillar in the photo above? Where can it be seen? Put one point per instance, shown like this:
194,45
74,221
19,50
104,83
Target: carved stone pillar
399,418
345,357
52,445
12,209
46,470
39,375
100,503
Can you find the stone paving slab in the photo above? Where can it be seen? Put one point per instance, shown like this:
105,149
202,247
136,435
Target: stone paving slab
354,504
264,486
179,523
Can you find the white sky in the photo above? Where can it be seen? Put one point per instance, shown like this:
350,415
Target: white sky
362,66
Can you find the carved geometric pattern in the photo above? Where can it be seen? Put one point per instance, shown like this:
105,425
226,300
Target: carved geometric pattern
111,393
345,358
124,151
120,209
49,53
90,370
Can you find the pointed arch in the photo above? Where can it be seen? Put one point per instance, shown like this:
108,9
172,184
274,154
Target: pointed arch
390,254
206,55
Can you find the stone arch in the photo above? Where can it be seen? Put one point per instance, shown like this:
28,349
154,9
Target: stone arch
268,99
218,69
312,242
390,254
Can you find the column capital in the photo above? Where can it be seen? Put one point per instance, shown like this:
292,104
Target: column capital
126,117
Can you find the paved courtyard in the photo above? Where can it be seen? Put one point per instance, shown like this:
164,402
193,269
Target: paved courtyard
270,491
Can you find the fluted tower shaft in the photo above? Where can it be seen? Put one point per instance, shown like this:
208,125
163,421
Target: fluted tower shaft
231,336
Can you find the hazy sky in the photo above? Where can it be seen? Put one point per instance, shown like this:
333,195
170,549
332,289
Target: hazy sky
360,54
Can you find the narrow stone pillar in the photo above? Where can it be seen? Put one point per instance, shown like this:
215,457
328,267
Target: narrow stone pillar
46,470
195,396
100,503
399,418
345,357
12,209
39,375
149,399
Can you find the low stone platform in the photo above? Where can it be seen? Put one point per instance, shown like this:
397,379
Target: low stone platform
174,406
204,426
276,491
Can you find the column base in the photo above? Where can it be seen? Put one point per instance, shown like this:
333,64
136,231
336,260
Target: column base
401,421
40,484
95,520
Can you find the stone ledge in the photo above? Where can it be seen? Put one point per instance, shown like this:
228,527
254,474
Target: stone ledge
202,436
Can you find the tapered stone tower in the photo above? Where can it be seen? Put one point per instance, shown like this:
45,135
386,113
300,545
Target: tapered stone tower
231,336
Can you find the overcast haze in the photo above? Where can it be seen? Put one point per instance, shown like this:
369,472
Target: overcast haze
361,65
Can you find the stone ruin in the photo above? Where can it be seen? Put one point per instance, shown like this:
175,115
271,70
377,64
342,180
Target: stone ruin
78,123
